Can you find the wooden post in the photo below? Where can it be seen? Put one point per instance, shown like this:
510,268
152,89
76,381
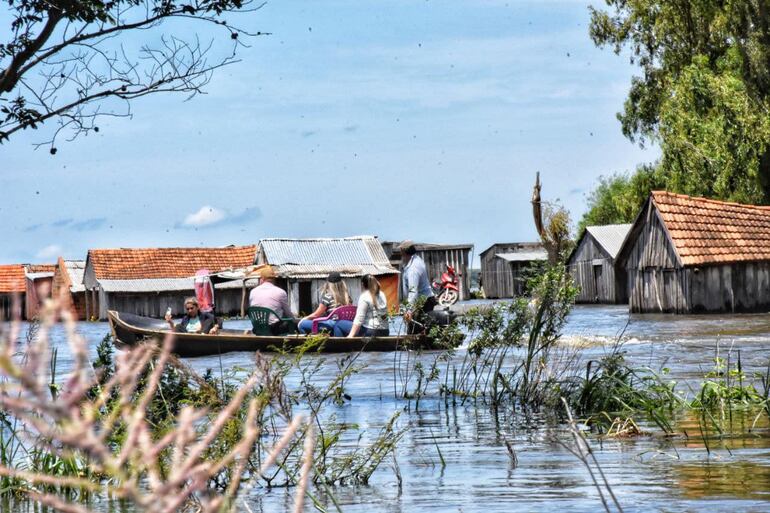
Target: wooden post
243,298
86,295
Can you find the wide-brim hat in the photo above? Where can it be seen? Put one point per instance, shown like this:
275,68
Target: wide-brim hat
267,272
407,247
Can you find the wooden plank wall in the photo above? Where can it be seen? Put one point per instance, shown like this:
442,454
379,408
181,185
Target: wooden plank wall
656,282
7,310
435,263
228,302
583,267
739,287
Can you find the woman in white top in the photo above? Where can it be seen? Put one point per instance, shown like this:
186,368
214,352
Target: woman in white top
372,313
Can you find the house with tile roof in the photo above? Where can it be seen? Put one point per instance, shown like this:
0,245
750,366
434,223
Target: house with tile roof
68,286
592,264
146,281
694,255
302,266
505,267
13,291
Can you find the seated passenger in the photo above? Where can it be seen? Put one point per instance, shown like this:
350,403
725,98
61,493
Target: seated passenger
335,293
194,320
372,314
268,295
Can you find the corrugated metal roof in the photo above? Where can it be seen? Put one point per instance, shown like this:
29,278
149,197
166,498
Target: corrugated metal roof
610,236
164,285
523,256
316,258
37,276
75,270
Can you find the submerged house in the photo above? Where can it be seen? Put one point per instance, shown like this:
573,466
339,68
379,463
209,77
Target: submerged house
147,281
592,264
38,285
302,266
436,257
13,290
504,267
68,286
695,255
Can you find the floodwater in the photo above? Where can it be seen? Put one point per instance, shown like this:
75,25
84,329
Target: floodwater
646,473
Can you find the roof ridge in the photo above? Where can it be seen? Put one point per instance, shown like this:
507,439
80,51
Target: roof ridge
764,208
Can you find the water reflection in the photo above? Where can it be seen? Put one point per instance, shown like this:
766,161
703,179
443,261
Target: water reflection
648,473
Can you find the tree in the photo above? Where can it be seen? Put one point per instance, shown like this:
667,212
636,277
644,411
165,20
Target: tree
618,198
72,61
553,225
704,91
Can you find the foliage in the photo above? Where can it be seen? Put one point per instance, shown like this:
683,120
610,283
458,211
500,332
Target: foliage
74,61
557,231
618,198
703,91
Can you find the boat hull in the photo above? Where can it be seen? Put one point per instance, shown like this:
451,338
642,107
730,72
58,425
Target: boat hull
129,330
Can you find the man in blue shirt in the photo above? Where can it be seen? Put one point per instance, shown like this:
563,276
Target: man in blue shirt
415,284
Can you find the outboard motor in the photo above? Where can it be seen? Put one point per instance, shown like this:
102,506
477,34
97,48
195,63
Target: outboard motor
442,316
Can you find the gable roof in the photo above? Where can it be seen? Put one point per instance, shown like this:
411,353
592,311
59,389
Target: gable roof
610,237
706,231
72,273
155,263
316,258
12,278
508,247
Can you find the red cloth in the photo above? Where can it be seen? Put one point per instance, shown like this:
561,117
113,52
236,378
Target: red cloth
204,291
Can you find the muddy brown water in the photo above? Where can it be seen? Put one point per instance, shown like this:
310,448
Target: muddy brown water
647,473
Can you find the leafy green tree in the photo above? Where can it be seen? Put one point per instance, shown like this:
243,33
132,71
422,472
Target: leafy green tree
70,62
703,92
618,198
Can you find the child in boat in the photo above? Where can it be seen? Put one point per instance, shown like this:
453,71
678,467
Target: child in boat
334,294
372,314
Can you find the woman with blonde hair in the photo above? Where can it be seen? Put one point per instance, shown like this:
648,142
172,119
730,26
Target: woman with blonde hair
372,313
335,293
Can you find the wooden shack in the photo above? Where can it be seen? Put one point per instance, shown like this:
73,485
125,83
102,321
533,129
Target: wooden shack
38,285
303,265
695,255
592,264
436,258
68,286
145,281
504,267
13,289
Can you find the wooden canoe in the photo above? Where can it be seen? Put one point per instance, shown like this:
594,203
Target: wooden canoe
128,329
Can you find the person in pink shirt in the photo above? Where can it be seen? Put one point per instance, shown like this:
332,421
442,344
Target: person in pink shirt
268,295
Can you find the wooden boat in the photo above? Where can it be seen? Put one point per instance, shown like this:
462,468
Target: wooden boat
128,329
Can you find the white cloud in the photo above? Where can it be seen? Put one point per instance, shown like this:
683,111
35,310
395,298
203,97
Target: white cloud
49,252
205,216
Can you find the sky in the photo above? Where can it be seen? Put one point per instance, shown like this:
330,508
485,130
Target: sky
422,120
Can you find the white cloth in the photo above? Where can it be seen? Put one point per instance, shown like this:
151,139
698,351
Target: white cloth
369,315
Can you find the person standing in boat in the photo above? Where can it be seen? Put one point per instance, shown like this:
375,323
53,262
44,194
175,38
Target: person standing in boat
194,320
335,293
371,314
269,295
415,288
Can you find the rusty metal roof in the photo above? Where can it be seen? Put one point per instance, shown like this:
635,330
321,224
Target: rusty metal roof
316,258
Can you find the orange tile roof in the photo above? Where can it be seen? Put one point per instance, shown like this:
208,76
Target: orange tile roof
137,264
706,231
12,278
41,268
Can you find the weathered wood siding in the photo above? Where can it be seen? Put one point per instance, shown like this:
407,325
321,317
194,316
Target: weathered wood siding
436,261
656,281
154,304
501,278
12,306
739,287
593,270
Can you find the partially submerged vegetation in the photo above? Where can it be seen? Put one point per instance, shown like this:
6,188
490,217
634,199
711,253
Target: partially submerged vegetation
142,427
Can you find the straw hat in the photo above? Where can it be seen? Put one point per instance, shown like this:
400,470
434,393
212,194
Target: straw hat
267,273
